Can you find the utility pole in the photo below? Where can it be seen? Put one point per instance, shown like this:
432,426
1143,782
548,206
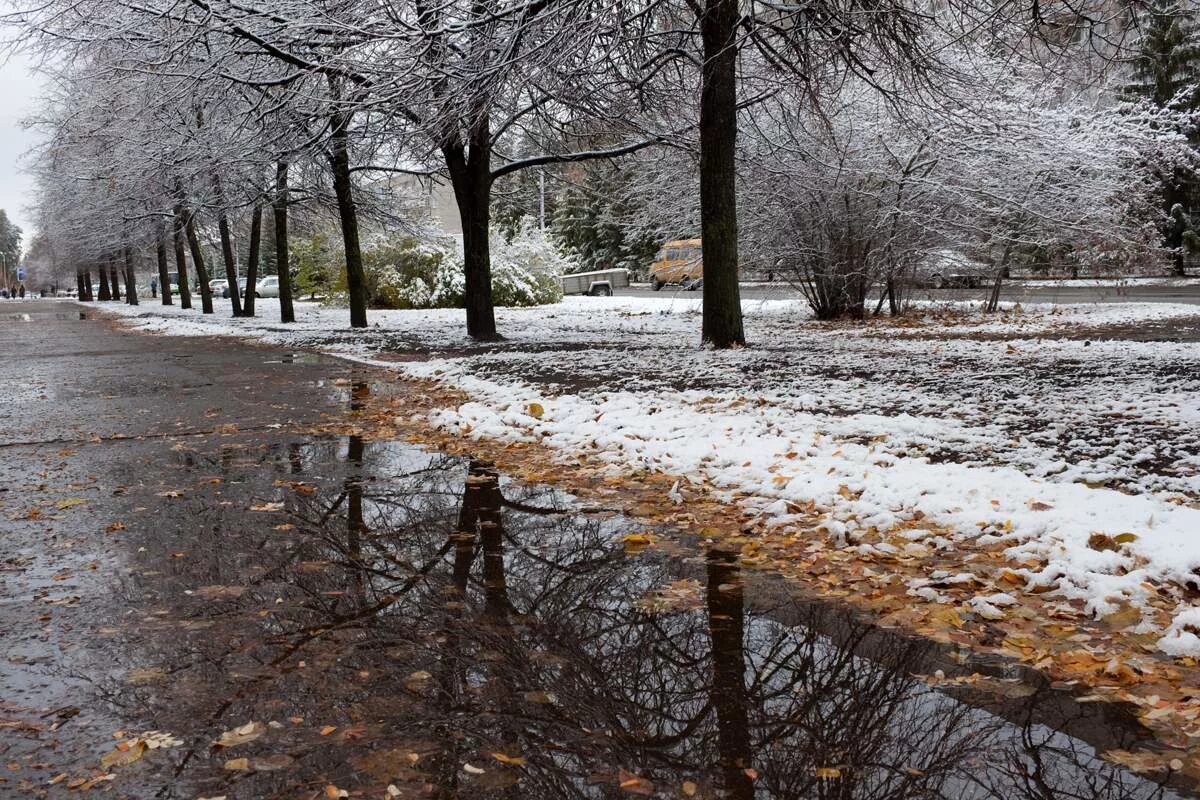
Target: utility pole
542,199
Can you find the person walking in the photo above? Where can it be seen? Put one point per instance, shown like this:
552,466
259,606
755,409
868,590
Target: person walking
22,290
154,287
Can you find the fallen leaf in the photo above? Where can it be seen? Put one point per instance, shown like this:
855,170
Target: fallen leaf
241,734
503,758
634,784
122,756
216,592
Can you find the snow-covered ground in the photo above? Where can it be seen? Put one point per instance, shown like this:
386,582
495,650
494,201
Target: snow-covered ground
1101,282
1013,428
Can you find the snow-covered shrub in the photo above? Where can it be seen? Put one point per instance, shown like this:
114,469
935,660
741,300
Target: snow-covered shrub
526,268
403,272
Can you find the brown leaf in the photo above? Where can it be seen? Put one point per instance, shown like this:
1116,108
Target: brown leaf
122,756
241,734
634,784
504,758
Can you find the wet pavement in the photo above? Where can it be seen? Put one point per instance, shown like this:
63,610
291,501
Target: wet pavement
187,559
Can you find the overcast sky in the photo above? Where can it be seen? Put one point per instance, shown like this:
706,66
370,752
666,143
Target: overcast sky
18,88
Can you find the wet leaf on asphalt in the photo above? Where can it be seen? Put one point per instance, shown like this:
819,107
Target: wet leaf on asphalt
241,734
634,784
504,758
216,592
124,754
145,675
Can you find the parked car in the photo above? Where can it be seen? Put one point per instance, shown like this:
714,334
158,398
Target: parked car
241,288
599,283
680,261
949,269
217,286
267,287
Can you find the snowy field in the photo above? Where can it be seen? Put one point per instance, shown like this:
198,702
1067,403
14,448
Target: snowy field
1043,428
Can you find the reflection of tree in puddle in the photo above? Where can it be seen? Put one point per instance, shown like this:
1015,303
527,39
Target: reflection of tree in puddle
451,621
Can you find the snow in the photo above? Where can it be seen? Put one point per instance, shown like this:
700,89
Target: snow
1002,430
1181,638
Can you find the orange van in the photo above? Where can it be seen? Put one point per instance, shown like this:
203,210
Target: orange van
679,261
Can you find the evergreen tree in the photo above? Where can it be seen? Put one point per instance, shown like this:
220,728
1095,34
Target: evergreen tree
601,221
10,247
1166,71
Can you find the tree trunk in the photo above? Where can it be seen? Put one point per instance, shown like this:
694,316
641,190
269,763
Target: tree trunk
160,252
131,296
993,301
114,285
193,240
105,294
339,161
185,286
726,626
471,177
80,291
722,319
282,259
252,259
227,254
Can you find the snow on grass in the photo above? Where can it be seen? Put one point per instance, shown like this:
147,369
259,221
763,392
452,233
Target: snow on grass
1037,444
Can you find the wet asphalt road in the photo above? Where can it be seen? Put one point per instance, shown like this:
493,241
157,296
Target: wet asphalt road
185,552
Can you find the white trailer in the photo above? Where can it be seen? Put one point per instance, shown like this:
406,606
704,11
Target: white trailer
600,283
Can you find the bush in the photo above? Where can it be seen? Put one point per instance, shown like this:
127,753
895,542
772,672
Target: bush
317,265
526,268
405,273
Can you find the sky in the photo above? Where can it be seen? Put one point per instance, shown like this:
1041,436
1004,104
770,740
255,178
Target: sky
18,90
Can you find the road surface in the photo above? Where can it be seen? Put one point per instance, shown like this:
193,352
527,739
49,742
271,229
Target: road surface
217,584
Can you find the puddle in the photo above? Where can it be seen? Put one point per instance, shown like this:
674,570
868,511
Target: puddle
295,358
374,615
415,620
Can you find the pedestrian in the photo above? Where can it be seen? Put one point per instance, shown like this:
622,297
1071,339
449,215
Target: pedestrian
154,287
22,291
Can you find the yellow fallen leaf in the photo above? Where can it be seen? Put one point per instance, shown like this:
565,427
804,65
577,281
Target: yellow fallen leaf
123,755
237,763
535,410
634,784
241,734
504,758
